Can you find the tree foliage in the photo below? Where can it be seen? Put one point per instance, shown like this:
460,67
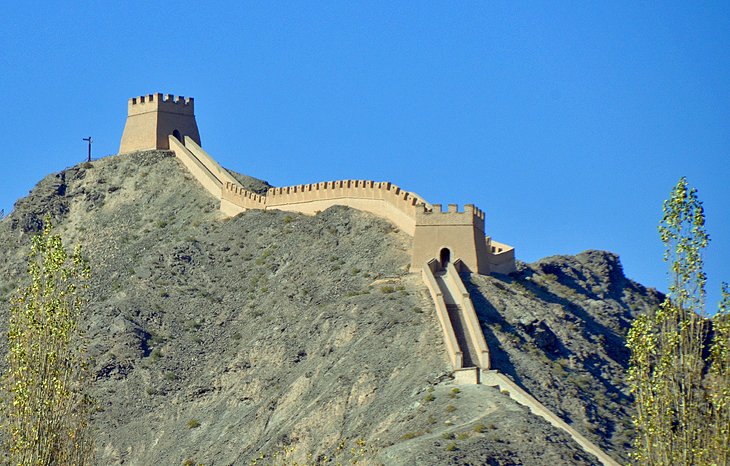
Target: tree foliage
45,406
682,390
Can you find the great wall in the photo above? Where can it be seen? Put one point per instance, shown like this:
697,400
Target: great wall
446,244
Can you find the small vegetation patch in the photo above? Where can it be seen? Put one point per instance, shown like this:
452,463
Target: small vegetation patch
411,435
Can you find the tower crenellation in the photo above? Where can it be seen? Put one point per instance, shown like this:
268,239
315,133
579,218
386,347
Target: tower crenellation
161,103
471,215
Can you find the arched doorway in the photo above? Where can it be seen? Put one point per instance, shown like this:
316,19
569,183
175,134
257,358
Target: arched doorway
176,134
445,257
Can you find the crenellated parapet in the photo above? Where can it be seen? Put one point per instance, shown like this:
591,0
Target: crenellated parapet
240,199
161,103
471,215
383,199
404,201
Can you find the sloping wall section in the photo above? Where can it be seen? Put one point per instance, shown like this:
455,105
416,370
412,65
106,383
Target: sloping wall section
383,199
461,233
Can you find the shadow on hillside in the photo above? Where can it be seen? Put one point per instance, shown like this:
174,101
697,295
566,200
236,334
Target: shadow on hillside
593,330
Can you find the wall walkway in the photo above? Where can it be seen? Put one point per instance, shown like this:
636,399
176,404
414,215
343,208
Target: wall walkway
459,322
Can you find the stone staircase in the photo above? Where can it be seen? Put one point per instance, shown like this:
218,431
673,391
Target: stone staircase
458,323
467,346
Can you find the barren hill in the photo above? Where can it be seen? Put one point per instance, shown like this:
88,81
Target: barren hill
216,340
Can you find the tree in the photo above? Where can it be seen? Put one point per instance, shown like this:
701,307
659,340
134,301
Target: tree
45,405
681,392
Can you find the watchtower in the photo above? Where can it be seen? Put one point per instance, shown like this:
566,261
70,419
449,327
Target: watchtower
152,118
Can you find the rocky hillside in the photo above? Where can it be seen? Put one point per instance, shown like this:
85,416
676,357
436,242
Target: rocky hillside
217,340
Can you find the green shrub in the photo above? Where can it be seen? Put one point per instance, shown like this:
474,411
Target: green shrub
156,354
193,424
451,446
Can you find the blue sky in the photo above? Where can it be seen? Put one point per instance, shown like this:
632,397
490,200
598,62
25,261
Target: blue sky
567,122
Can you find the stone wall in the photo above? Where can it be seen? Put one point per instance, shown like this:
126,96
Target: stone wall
432,229
383,199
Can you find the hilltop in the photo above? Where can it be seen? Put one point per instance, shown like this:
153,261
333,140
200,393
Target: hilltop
272,328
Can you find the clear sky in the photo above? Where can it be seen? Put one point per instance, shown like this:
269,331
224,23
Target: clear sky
567,122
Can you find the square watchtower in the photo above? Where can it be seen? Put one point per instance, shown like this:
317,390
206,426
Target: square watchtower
152,118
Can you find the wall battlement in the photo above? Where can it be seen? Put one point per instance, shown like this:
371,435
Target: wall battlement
378,197
471,215
161,103
241,198
454,208
405,201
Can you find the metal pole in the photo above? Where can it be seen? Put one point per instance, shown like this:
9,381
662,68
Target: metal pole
90,141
